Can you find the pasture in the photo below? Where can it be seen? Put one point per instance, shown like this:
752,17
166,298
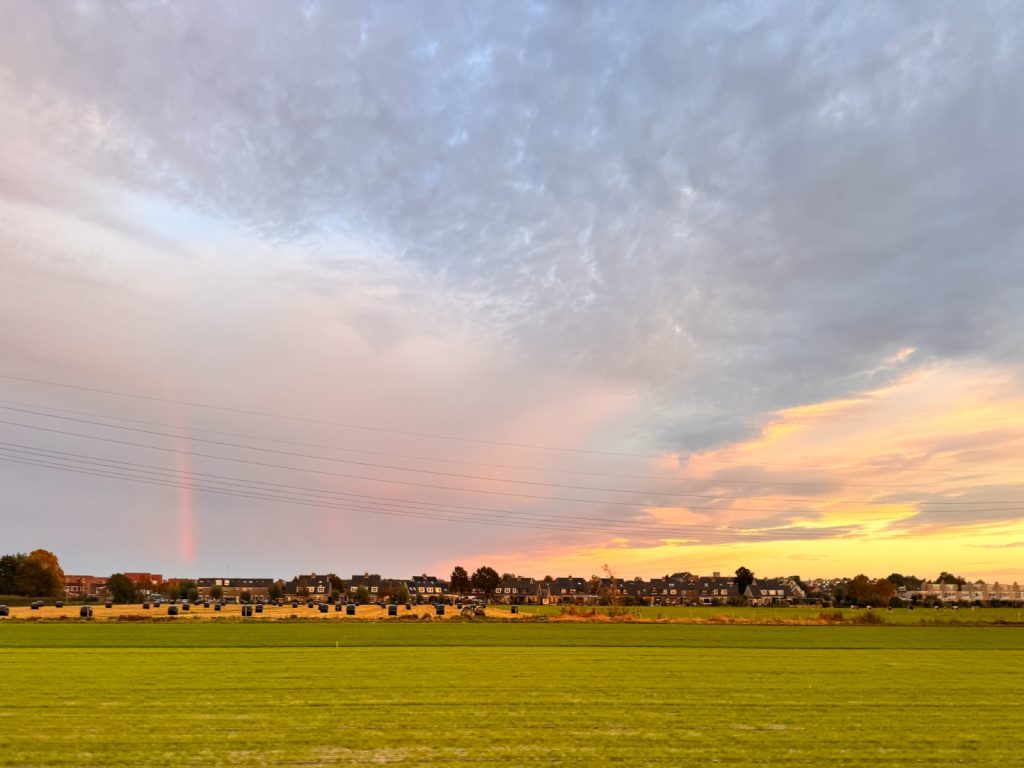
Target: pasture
513,693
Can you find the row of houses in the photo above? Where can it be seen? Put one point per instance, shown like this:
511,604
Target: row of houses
677,589
978,592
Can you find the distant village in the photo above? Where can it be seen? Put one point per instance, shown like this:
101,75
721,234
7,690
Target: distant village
485,584
39,574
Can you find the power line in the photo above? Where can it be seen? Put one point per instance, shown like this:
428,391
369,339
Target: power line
436,436
35,408
307,470
720,535
306,420
459,475
52,454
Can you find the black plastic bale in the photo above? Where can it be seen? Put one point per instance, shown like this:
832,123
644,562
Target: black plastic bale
350,609
323,607
515,609
337,607
309,604
4,610
295,603
186,607
34,606
392,610
408,606
108,604
259,608
216,607
85,612
172,610
439,609
145,606
59,604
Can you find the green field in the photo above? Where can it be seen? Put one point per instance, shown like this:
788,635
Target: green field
797,613
470,694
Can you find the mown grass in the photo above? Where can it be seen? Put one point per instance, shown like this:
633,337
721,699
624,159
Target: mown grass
470,694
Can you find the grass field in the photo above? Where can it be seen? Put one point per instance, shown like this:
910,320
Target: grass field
470,694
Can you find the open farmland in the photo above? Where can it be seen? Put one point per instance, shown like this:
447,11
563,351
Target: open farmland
466,694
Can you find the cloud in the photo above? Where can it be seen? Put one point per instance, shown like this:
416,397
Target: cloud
736,209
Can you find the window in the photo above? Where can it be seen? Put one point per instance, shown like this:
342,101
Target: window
373,589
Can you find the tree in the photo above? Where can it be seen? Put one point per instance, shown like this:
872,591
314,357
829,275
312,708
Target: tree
40,575
274,592
121,589
485,579
860,589
245,596
362,595
460,580
744,578
192,594
9,566
216,592
949,578
883,592
337,584
401,593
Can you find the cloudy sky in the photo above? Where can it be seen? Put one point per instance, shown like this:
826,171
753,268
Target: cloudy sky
377,287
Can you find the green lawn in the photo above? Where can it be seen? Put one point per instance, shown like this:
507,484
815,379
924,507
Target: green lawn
470,694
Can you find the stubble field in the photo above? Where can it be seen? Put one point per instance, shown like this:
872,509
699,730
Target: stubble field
474,693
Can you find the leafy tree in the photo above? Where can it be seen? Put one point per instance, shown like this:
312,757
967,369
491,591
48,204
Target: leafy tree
9,566
362,595
40,575
336,583
216,592
335,595
860,589
744,578
121,589
274,592
485,579
245,596
883,591
460,584
401,593
949,578
192,594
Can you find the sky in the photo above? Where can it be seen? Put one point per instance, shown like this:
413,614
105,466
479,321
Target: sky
550,287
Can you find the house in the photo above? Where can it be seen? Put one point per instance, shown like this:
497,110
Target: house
773,592
309,586
517,590
638,590
716,589
565,589
233,588
138,577
680,589
427,587
85,586
372,582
